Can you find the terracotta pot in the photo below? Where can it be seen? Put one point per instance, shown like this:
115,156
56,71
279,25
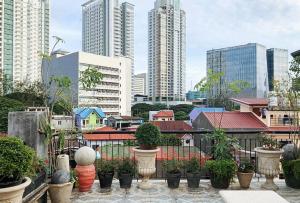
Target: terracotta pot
60,193
14,194
245,179
86,176
268,165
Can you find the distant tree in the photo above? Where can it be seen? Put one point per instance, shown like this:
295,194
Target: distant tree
181,116
187,108
138,109
8,105
158,107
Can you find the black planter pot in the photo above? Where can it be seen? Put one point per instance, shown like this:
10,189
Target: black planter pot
125,180
105,179
173,180
193,179
35,183
292,181
219,183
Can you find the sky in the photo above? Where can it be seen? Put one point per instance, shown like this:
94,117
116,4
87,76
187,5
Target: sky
210,25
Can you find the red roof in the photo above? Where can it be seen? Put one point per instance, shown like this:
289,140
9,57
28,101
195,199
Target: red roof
164,113
172,125
108,136
235,120
251,101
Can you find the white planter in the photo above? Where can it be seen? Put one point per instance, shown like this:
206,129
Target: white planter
13,194
60,193
268,165
146,165
85,156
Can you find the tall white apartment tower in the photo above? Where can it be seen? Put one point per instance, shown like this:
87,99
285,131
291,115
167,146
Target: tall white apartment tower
108,28
24,35
166,51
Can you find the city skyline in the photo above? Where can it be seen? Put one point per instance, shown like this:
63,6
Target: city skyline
218,25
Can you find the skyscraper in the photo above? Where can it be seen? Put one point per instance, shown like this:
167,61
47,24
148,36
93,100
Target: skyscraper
278,66
25,34
166,51
245,63
139,85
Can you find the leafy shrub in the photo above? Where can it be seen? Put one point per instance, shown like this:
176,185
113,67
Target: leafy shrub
173,166
126,166
192,166
16,159
148,136
268,143
106,166
246,166
221,168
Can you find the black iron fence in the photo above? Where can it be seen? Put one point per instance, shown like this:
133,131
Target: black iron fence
180,145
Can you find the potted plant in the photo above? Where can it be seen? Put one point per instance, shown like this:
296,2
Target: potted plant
291,165
126,171
268,161
222,168
148,137
245,173
193,170
16,160
173,174
61,186
106,171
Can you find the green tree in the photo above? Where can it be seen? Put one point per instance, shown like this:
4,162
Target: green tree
91,77
182,107
181,116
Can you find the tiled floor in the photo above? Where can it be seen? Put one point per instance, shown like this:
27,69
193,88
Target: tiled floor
161,193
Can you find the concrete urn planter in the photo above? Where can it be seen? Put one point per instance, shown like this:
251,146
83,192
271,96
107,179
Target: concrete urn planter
60,193
146,165
268,165
85,156
13,194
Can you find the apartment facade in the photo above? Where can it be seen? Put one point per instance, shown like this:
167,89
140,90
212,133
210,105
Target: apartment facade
278,66
166,51
24,34
139,85
113,95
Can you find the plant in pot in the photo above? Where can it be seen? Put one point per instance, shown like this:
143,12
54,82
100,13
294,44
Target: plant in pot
291,165
193,170
106,171
245,173
268,161
173,173
61,186
126,172
222,168
16,160
148,137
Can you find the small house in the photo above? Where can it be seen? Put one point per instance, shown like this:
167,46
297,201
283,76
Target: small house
89,118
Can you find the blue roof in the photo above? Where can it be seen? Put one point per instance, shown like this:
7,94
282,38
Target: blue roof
85,112
197,110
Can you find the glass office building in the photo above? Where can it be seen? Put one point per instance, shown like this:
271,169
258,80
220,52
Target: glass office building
246,63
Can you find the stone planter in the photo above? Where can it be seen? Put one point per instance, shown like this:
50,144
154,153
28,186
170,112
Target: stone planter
146,165
60,193
14,194
245,179
86,176
268,165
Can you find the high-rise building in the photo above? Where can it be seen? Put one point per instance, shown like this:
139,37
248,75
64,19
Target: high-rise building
278,66
244,63
113,95
166,51
24,35
139,85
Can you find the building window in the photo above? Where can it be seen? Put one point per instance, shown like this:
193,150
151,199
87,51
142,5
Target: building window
59,122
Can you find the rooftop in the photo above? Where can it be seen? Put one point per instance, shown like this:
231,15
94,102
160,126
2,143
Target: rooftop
251,101
108,136
196,111
172,125
164,113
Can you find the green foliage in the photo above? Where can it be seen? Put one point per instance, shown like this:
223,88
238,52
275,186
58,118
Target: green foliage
186,108
291,168
221,168
16,159
192,166
27,99
8,105
106,166
268,143
173,166
148,136
127,166
181,116
90,78
222,144
61,82
38,165
61,140
245,166
170,140
46,129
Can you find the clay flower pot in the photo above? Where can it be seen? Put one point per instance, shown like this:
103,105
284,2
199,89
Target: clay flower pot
13,194
86,176
60,193
245,179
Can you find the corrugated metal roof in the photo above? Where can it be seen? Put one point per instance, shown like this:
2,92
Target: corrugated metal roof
196,111
172,125
235,120
251,101
86,111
